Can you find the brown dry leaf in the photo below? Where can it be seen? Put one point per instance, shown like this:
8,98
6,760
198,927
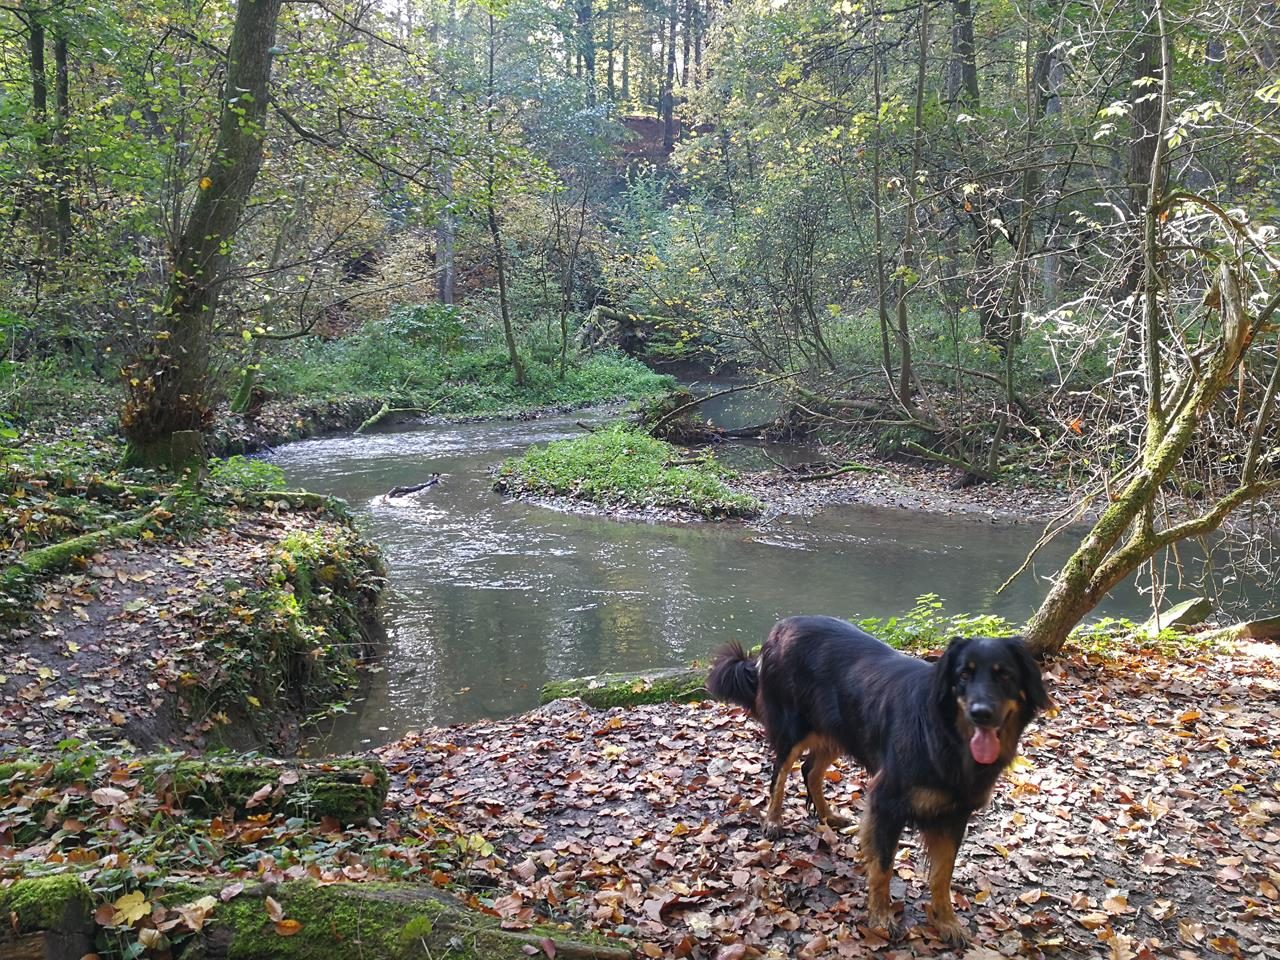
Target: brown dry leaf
274,910
287,928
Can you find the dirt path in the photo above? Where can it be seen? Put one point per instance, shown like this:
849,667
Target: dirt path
131,647
1144,822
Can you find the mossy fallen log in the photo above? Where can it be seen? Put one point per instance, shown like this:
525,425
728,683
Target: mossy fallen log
35,565
46,917
675,685
348,790
387,921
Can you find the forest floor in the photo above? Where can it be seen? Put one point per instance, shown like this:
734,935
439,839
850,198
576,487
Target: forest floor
1142,821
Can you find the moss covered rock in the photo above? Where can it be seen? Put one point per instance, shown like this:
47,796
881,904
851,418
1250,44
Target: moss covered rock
676,685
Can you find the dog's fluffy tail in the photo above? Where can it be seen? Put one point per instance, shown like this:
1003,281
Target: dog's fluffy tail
734,677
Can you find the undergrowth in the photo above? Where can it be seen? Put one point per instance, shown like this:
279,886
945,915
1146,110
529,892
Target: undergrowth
410,362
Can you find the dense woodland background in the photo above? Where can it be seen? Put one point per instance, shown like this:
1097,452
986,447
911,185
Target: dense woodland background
1023,239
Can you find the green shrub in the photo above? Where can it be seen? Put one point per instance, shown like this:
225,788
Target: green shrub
246,474
621,466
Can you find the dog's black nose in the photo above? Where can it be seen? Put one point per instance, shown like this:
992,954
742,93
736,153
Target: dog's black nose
983,714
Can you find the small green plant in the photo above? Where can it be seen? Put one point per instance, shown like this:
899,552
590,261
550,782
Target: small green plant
622,466
927,625
245,473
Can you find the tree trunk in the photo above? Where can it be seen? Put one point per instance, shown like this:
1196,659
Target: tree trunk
446,237
587,46
882,287
610,72
910,258
962,77
169,387
491,210
626,69
669,87
62,143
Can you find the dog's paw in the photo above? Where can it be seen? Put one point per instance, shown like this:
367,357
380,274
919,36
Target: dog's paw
772,829
838,823
953,934
887,922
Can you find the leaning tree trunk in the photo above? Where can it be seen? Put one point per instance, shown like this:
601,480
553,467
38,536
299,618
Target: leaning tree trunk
1098,565
168,386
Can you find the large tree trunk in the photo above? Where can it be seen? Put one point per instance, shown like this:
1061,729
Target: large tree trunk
168,387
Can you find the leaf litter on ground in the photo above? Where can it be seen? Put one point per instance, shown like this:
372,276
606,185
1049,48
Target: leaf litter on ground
1143,821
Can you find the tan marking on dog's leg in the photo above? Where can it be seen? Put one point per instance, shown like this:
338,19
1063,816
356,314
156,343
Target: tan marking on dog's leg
821,758
942,847
929,802
879,905
773,815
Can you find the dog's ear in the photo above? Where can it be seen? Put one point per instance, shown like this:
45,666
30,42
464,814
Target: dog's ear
944,671
1032,682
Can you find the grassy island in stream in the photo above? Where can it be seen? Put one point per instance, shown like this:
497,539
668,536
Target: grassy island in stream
622,467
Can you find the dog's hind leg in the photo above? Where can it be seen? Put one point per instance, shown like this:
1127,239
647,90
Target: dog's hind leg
941,843
814,769
878,843
778,787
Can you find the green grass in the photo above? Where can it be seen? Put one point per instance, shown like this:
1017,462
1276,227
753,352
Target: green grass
621,466
408,363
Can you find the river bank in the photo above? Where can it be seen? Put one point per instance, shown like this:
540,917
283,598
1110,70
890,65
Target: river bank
634,832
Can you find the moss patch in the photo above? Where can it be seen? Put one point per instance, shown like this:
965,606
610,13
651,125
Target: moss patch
621,466
45,903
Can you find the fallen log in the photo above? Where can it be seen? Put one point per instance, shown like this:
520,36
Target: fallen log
46,561
347,790
389,921
386,410
674,685
414,487
383,920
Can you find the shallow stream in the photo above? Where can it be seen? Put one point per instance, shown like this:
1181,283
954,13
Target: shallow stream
488,598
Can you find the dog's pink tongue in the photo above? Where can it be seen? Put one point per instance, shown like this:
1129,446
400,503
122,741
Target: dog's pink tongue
985,745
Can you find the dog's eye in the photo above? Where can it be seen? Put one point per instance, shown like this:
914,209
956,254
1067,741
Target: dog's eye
999,672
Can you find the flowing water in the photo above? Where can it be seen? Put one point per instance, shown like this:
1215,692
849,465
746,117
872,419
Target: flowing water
488,598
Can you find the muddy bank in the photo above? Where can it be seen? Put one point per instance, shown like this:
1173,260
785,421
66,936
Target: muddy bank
228,626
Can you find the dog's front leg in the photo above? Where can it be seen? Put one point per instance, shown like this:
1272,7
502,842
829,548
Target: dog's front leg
878,842
942,844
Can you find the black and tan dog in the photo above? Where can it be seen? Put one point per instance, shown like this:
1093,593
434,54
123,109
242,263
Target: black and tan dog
934,736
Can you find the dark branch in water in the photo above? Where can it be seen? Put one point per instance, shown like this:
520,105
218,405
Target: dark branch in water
413,487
